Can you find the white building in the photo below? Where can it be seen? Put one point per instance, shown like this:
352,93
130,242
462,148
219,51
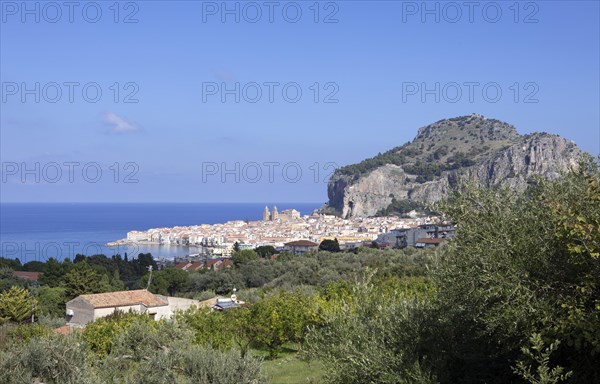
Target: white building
86,308
289,214
137,236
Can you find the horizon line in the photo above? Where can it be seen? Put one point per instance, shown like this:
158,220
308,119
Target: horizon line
160,202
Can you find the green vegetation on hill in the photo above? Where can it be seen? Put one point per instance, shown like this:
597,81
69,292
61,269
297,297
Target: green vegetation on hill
290,369
514,298
445,145
402,208
141,351
285,299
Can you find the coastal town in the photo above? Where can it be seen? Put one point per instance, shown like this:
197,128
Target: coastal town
289,231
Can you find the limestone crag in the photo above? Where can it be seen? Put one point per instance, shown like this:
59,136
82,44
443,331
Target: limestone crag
445,155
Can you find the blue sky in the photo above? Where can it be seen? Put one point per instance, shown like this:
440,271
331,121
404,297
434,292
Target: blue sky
177,140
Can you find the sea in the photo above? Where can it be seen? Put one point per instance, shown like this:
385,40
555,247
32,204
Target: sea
38,231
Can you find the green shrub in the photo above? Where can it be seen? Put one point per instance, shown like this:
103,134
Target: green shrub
100,335
53,359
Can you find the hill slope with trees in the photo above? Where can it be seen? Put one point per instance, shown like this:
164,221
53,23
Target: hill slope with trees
443,156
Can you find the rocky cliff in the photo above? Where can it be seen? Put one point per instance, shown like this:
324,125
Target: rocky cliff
442,156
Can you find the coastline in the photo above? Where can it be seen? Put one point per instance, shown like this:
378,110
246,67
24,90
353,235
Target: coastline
276,229
118,243
39,231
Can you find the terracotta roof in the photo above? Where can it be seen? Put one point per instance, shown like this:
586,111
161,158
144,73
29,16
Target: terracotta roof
426,240
212,263
195,266
183,265
302,243
124,298
32,276
226,263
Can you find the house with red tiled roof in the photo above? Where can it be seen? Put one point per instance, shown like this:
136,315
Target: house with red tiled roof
188,266
300,246
213,264
86,308
227,263
195,266
425,242
184,265
31,276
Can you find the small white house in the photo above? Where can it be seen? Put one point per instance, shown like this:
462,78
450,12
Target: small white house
86,308
300,246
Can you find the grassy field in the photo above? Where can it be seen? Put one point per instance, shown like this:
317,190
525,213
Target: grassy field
288,369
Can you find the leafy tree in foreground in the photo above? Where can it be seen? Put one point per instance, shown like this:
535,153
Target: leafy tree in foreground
521,264
16,305
540,356
100,335
161,352
369,335
210,327
53,359
51,301
280,318
144,352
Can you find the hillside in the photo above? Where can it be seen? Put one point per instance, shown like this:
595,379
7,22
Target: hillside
441,156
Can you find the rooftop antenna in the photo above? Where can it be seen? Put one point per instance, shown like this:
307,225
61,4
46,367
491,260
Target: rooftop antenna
149,278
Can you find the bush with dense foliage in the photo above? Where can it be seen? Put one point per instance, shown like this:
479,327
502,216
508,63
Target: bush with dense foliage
17,305
523,264
516,297
278,318
142,352
329,245
53,359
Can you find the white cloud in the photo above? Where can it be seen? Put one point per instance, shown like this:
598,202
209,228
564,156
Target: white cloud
119,124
